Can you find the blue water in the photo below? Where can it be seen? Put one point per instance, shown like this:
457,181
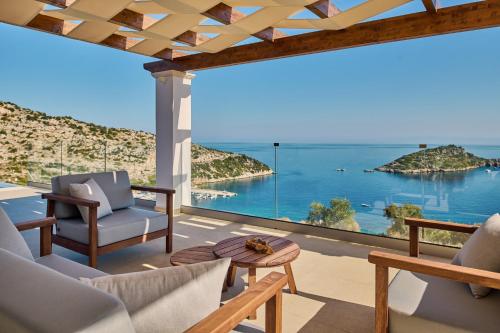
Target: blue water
2,185
307,172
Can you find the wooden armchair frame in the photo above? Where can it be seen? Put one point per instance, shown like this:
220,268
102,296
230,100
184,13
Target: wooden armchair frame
92,250
45,226
384,260
268,290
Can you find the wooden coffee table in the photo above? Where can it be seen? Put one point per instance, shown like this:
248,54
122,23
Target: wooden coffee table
285,251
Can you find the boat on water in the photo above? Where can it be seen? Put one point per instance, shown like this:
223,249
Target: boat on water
368,170
488,171
341,170
365,205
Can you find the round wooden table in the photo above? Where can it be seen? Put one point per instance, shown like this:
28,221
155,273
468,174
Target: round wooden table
285,251
193,255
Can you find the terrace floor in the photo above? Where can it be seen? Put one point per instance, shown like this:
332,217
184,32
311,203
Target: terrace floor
335,282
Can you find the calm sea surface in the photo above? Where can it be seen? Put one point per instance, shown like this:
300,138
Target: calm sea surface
307,172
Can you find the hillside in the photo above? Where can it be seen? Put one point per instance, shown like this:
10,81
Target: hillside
32,145
449,158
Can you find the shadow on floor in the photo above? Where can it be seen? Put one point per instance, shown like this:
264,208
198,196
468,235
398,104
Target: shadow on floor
339,316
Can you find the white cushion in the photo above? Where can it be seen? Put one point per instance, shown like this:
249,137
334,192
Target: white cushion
90,190
482,251
170,299
11,239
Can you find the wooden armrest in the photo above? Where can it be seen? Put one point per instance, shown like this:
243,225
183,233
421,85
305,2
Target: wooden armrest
45,222
450,226
235,311
384,260
153,189
70,200
439,269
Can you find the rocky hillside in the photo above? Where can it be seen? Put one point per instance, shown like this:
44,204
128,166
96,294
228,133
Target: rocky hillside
449,158
33,144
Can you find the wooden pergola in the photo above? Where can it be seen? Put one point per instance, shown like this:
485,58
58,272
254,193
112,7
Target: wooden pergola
200,34
191,35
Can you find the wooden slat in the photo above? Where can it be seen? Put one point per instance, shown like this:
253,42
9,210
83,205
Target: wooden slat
224,14
414,241
269,34
133,20
191,38
51,24
472,16
450,226
439,269
431,6
323,8
232,313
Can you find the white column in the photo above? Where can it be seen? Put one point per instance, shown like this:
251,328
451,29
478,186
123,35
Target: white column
173,136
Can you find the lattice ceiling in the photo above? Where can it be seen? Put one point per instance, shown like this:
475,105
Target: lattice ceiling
170,28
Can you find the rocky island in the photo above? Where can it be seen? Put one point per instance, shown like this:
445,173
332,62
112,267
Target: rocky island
449,158
33,144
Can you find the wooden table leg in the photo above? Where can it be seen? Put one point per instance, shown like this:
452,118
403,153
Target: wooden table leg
252,279
291,280
231,275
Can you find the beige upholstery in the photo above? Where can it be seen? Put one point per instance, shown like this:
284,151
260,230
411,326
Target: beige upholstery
11,239
422,303
38,299
122,224
170,299
68,267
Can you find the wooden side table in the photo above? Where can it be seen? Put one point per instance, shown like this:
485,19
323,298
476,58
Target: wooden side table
194,255
285,251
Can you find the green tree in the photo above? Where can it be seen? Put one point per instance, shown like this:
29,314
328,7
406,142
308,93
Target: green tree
339,215
398,229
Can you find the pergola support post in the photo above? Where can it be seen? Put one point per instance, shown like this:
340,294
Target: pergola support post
173,136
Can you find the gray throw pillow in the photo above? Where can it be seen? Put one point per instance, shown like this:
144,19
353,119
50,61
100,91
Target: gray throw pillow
11,239
170,299
482,251
90,190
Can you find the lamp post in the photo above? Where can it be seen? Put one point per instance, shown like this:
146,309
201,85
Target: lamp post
276,145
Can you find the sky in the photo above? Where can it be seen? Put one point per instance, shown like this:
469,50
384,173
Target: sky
443,89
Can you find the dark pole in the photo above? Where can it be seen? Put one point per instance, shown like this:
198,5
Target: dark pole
276,145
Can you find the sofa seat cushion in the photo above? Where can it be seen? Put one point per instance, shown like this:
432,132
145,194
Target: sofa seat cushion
115,185
68,267
11,239
122,224
423,303
38,299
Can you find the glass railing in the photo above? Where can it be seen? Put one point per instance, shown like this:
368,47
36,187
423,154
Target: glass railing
337,186
325,185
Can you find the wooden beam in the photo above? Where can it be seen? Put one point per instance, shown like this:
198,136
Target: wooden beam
224,14
116,41
191,38
471,16
129,18
269,34
431,5
324,8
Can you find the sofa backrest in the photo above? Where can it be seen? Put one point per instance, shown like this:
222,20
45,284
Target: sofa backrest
11,239
115,184
38,299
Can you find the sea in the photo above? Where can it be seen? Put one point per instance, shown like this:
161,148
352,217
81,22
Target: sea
320,172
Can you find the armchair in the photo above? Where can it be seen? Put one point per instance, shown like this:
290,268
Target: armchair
431,296
127,225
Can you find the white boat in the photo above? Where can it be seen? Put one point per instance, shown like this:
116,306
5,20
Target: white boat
368,170
365,205
488,170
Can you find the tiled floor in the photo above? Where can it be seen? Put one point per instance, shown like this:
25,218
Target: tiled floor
335,281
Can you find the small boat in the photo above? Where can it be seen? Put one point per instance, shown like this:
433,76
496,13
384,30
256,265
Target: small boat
341,170
488,171
368,170
365,205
